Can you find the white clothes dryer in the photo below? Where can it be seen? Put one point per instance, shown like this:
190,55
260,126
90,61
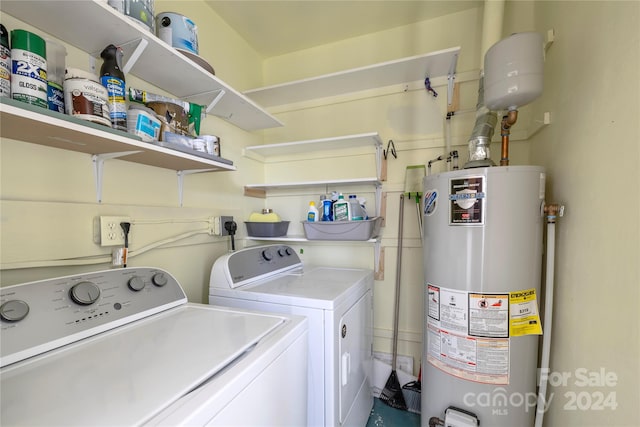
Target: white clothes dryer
338,303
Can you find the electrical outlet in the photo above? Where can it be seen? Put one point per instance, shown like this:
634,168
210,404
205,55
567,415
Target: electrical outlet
218,225
111,234
224,219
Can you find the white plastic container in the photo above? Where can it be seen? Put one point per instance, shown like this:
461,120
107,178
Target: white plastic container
85,98
142,122
56,54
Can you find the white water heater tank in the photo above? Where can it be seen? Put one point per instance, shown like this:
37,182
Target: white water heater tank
513,70
482,268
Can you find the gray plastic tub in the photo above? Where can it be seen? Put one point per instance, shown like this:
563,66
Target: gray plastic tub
343,230
267,229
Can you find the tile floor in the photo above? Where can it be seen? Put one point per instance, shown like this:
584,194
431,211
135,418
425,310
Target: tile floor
383,415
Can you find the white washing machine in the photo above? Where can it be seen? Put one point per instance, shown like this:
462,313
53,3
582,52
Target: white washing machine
123,347
338,302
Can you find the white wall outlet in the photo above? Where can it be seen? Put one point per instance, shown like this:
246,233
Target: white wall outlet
111,234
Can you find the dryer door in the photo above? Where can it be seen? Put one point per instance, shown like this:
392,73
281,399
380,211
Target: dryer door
355,355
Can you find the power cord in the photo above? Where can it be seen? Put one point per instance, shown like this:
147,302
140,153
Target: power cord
126,226
231,227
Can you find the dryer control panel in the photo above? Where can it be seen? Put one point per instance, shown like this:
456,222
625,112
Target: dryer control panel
254,263
40,316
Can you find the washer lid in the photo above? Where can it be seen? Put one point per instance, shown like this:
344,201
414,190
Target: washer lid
127,375
319,287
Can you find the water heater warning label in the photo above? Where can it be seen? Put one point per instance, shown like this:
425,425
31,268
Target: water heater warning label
468,333
466,200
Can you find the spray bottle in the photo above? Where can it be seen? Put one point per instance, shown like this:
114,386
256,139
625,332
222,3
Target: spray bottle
112,78
5,63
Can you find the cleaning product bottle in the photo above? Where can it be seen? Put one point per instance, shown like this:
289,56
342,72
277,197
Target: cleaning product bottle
341,209
5,63
355,210
112,78
327,208
312,213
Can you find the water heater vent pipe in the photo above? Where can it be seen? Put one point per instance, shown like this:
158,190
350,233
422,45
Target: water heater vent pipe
483,129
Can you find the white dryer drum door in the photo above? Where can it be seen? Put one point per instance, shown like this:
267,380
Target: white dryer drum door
354,337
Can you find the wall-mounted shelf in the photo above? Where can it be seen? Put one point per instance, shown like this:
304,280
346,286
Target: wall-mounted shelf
265,152
24,122
91,25
432,65
289,185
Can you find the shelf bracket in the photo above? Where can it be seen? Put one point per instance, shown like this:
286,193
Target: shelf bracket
219,94
378,200
451,76
379,174
135,55
98,168
378,259
181,175
217,99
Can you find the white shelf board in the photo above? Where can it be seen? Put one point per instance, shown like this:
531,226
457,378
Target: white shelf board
91,25
371,139
288,185
434,64
60,131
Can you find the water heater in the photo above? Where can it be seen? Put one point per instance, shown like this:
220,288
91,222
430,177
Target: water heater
482,234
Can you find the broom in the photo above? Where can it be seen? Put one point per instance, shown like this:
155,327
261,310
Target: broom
392,392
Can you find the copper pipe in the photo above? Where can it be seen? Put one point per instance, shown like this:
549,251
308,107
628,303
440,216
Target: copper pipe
508,120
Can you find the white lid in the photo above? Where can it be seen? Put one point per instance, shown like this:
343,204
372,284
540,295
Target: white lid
76,73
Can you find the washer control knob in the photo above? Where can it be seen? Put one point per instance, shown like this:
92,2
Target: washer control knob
288,250
282,252
85,293
14,310
159,279
136,283
266,254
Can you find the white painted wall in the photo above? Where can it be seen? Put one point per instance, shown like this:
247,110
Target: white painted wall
592,155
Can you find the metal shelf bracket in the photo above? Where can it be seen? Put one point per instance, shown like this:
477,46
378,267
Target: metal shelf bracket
451,76
220,93
98,168
181,175
135,55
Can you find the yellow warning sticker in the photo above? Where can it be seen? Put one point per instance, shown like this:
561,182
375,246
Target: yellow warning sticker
523,312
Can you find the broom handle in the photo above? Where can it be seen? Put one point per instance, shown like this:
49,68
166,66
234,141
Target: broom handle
398,271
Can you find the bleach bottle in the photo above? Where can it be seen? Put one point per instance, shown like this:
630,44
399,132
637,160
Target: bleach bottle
312,213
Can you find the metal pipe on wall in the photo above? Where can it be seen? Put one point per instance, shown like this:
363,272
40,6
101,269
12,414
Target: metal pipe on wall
480,139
